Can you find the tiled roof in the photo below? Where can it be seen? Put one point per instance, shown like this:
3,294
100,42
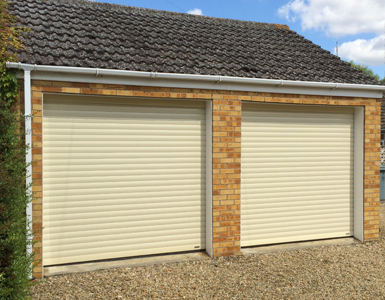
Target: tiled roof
83,33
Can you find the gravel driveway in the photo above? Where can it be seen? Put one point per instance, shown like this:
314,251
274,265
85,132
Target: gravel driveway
335,272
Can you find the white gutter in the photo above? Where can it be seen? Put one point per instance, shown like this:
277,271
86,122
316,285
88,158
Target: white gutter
28,141
194,77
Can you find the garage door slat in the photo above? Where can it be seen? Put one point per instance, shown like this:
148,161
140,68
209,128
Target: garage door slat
296,214
145,207
137,248
73,228
120,218
172,200
281,218
313,204
136,238
300,235
115,234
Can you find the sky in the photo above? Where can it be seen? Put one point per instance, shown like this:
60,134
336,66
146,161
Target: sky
358,25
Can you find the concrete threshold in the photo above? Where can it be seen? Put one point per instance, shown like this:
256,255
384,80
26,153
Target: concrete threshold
182,257
298,245
124,263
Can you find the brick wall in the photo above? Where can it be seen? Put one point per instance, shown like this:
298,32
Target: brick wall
226,174
227,120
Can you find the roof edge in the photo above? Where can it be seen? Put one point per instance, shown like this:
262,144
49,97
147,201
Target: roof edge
217,80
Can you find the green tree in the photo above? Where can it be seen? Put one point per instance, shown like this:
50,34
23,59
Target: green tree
15,237
366,70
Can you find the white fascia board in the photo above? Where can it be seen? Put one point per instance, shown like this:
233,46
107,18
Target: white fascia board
196,84
108,76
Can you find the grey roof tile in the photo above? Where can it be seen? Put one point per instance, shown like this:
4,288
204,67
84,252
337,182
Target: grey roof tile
92,34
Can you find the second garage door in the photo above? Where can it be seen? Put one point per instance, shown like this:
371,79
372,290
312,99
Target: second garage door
297,173
122,178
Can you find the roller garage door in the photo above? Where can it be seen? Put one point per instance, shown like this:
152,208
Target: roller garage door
297,173
122,178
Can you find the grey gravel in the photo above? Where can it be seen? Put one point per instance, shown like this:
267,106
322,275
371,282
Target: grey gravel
336,272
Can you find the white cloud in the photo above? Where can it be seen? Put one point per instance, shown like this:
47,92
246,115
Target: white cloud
337,17
367,52
195,11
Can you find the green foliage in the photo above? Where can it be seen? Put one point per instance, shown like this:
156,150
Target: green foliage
366,70
15,263
15,237
9,35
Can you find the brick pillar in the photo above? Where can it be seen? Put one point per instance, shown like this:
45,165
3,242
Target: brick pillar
37,173
226,175
372,169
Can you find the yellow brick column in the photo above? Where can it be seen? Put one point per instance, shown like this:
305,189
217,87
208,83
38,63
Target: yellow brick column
372,168
226,174
37,172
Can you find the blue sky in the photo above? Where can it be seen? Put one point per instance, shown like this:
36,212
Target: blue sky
359,25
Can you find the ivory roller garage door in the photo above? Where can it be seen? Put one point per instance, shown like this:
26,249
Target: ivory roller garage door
297,173
122,178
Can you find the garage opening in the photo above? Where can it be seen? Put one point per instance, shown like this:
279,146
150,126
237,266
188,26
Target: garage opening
297,173
122,177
